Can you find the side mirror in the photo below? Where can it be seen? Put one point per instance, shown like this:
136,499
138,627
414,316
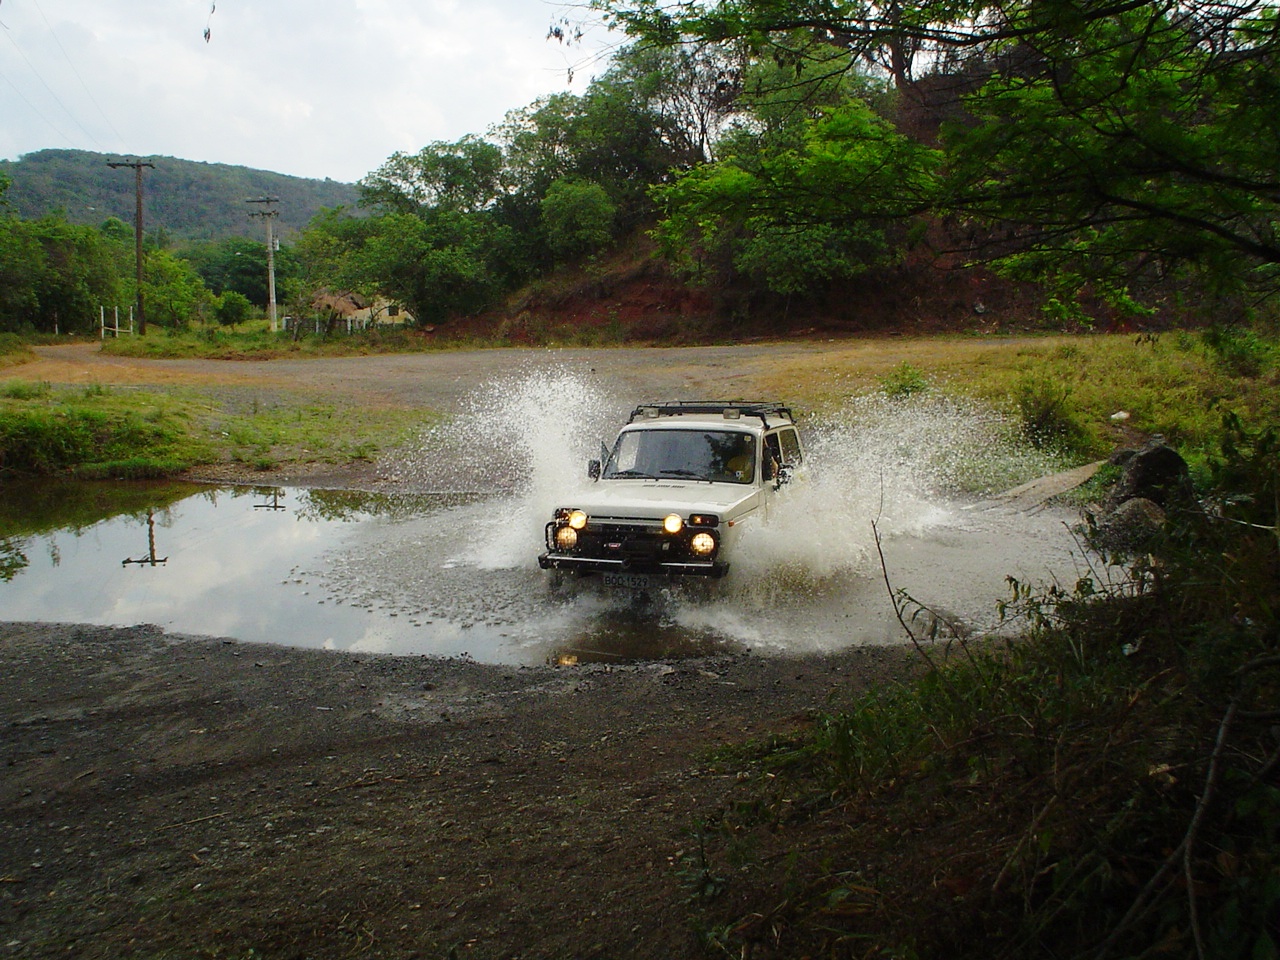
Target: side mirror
593,469
785,473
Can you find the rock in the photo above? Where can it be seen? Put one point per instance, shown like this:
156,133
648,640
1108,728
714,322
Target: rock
1155,472
1130,527
1154,483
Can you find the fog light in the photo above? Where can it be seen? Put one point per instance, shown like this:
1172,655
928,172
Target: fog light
577,519
673,523
566,538
703,544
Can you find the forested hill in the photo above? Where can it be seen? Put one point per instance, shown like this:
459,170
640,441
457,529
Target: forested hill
184,198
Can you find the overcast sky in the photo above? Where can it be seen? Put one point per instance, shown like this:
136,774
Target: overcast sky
314,89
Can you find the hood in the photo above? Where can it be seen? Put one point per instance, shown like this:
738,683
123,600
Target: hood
654,499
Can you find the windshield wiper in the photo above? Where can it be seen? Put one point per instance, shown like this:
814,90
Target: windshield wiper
631,473
681,473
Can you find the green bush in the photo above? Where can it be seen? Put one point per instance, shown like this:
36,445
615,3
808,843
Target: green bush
1049,419
904,380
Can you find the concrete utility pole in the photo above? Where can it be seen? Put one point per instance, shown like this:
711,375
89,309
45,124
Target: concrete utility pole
137,230
268,214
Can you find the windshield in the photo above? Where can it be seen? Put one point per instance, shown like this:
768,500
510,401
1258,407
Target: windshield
719,456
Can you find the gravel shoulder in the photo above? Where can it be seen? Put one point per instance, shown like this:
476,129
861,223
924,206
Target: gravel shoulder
200,797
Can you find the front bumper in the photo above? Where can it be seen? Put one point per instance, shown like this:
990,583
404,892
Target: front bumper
677,568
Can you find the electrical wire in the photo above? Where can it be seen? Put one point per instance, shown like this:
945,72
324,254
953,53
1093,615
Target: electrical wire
72,65
34,109
9,33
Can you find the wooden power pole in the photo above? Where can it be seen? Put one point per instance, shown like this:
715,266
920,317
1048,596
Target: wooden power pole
137,231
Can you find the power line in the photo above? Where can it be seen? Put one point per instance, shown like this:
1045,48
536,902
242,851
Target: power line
49,90
36,110
72,64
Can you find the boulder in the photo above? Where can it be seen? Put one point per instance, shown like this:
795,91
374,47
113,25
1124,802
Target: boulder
1154,482
1154,472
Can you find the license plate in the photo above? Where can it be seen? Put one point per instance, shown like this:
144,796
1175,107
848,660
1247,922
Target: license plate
627,581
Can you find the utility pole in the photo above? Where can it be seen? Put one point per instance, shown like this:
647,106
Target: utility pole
137,230
268,214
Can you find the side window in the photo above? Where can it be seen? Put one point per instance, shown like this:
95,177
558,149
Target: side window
772,457
791,452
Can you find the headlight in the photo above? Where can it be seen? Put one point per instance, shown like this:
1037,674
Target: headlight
577,519
703,544
566,538
673,523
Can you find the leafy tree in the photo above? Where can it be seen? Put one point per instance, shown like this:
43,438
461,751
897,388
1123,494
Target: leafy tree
22,263
65,284
578,216
329,251
1106,142
240,264
232,308
791,218
540,144
437,265
463,176
173,292
1134,150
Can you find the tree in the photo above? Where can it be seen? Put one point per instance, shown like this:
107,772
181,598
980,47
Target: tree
1108,142
792,217
1138,150
438,265
464,176
174,292
22,263
236,263
73,278
578,216
232,308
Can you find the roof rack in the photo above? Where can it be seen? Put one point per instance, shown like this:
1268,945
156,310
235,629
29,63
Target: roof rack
729,409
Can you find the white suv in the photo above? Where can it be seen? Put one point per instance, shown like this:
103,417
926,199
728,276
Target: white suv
674,494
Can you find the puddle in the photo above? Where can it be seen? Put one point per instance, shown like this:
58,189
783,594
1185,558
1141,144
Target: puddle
453,575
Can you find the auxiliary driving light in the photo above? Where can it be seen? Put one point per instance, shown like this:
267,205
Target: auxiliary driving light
566,538
703,544
577,519
673,523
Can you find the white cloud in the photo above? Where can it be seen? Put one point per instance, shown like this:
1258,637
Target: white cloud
305,88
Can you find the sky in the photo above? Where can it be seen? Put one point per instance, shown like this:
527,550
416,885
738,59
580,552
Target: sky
311,89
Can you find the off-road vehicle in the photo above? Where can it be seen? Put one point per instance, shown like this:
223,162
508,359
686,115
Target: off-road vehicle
674,494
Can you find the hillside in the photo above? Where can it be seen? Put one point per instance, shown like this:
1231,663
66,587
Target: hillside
187,199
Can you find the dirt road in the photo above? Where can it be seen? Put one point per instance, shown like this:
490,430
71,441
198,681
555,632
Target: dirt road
181,797
799,372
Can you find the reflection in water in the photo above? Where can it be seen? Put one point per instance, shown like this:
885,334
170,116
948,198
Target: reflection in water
13,559
151,558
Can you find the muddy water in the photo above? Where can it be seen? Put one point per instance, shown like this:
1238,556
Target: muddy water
449,569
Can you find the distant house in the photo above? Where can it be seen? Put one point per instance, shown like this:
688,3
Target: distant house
357,312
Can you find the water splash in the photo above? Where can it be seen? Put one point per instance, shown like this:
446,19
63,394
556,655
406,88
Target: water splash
807,577
906,465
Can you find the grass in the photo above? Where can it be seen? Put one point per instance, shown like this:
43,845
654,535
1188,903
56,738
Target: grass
1065,389
108,433
255,341
13,349
97,434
